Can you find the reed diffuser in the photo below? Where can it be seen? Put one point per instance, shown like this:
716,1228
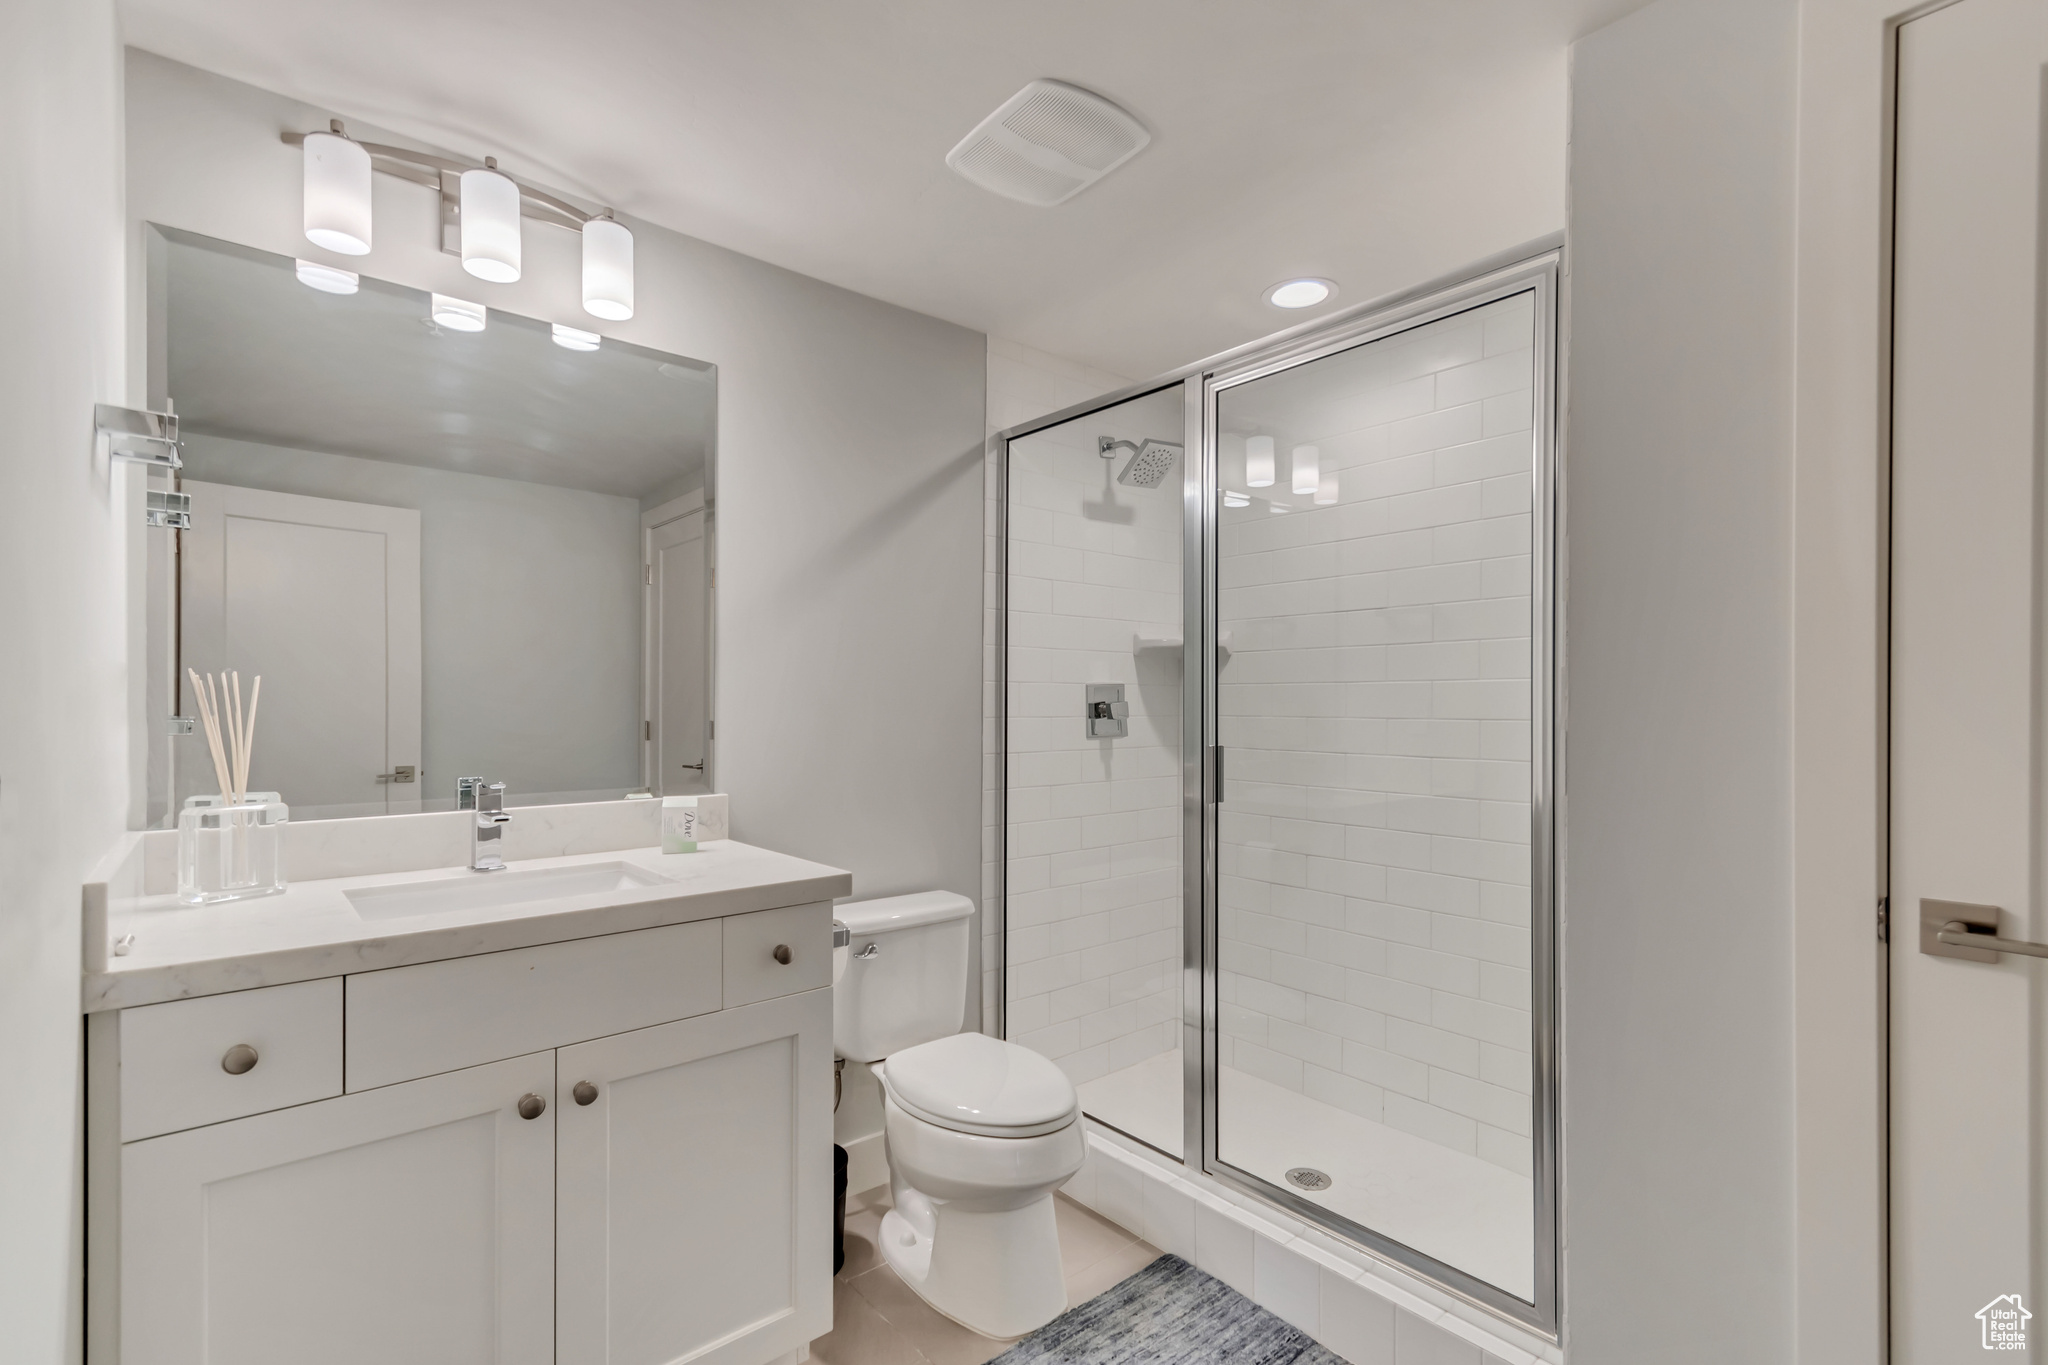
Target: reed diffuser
229,844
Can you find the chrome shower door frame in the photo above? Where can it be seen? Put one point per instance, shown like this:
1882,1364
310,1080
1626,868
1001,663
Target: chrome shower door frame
1538,276
1535,270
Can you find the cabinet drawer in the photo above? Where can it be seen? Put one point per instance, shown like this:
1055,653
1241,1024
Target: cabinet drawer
419,1021
752,970
175,1056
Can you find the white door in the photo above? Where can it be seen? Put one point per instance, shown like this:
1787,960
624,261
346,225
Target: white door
1967,739
322,598
680,654
695,1179
411,1225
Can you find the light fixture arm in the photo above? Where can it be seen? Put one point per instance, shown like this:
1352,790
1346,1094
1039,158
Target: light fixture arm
445,174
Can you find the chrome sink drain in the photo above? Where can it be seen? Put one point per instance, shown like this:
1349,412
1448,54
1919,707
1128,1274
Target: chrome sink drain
1309,1178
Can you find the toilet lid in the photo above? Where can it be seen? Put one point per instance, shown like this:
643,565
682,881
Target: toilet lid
973,1083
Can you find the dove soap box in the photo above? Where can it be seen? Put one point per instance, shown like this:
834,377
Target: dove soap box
687,821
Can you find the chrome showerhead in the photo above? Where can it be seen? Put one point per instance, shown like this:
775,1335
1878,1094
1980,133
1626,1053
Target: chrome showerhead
1148,464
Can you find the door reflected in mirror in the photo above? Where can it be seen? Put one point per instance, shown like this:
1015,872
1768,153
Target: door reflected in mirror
448,553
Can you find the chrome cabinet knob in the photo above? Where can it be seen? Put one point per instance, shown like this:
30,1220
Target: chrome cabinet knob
532,1106
584,1092
782,954
238,1060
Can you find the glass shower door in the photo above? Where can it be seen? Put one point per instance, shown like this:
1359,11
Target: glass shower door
1377,599
1091,668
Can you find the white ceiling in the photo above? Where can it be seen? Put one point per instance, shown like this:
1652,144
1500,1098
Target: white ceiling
1376,142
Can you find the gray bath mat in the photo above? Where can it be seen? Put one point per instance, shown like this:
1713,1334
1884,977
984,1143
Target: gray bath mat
1169,1313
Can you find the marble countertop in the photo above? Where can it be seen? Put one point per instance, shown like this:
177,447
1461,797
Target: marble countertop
313,930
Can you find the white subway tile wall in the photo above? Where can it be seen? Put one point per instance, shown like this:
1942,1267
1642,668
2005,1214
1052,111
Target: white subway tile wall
1375,705
1023,384
1093,909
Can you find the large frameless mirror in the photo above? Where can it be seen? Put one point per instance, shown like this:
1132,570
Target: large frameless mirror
451,545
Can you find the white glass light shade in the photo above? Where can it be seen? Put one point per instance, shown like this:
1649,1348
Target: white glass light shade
1326,491
459,315
576,339
328,279
1307,469
607,270
337,194
490,226
1258,461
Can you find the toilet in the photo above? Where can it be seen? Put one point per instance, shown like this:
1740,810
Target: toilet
979,1132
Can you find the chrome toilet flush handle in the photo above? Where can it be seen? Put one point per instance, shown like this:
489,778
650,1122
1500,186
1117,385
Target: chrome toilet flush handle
872,950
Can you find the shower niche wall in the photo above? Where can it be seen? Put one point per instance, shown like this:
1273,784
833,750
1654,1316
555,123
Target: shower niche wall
1287,916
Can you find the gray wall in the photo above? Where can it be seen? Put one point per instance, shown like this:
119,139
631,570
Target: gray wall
63,759
848,481
1677,807
530,615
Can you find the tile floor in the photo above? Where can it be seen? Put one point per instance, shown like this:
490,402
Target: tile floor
878,1320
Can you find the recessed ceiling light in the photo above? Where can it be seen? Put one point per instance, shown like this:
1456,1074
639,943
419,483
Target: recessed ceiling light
459,315
1306,292
576,339
327,279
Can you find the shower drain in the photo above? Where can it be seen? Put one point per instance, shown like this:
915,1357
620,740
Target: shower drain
1309,1178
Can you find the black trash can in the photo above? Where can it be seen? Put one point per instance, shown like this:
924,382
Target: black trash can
838,1207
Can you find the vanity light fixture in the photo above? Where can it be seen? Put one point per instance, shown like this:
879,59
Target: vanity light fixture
1326,491
1233,498
576,339
337,192
607,269
480,211
490,224
328,279
1306,292
1258,461
458,315
1308,474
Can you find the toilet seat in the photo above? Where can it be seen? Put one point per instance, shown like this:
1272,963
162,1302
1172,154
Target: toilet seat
972,1083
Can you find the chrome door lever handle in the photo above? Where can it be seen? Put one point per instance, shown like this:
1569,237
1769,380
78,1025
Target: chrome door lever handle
1956,934
1961,929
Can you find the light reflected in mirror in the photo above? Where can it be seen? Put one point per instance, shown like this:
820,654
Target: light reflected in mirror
448,554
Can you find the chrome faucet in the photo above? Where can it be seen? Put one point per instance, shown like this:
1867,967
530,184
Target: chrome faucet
488,828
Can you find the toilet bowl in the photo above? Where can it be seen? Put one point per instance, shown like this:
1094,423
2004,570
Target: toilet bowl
979,1132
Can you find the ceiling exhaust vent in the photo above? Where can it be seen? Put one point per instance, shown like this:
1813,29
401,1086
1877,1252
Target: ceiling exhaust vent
1047,143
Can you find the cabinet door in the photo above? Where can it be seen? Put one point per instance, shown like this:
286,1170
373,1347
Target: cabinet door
412,1225
695,1189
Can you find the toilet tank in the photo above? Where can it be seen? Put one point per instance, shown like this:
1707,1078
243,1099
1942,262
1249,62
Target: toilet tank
906,973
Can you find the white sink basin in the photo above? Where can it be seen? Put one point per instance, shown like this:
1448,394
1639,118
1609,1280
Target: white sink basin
473,891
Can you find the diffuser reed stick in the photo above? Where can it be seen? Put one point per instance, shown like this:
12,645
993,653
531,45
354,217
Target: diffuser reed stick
230,734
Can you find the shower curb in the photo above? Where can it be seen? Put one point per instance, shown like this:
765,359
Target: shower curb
1279,1262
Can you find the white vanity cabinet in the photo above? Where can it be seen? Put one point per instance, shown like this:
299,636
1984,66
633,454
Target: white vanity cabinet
575,1152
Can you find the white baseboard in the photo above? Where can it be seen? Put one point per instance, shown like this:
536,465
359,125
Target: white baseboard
867,1164
1352,1302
